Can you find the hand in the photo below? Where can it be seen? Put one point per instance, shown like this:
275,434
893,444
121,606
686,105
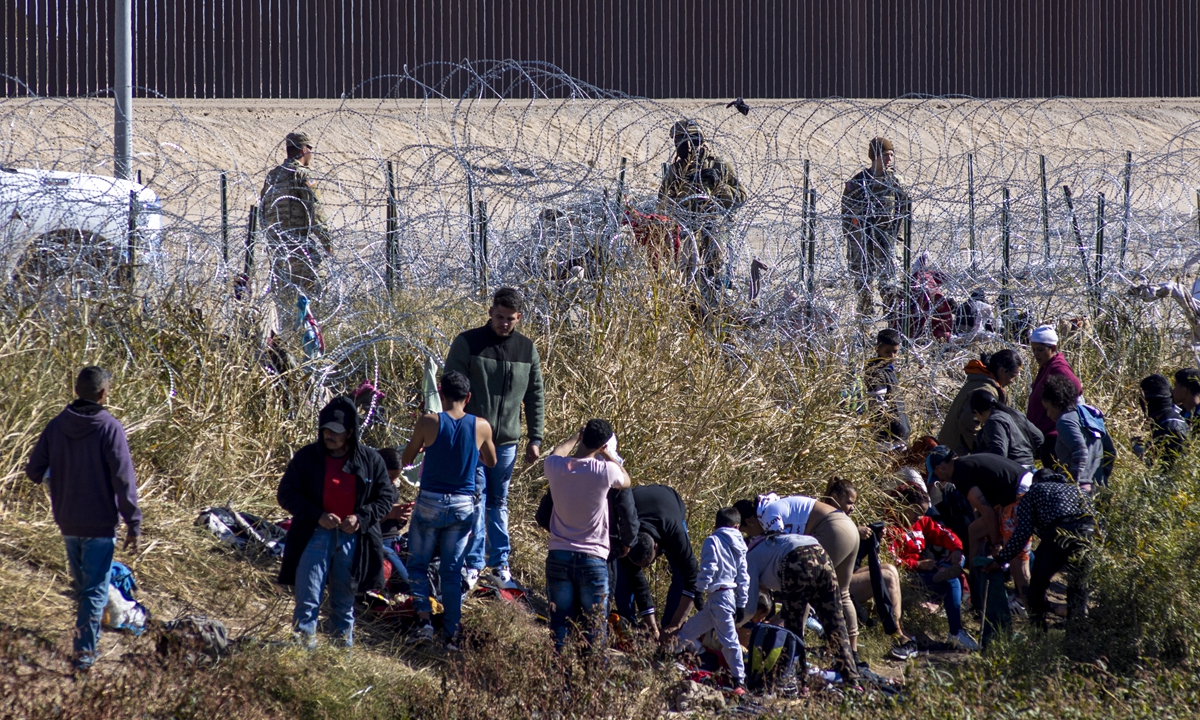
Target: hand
329,521
401,512
624,550
739,615
864,532
349,524
926,565
131,543
532,452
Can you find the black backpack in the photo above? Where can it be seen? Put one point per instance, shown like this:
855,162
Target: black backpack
774,655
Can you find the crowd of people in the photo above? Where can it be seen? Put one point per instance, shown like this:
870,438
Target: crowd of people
962,506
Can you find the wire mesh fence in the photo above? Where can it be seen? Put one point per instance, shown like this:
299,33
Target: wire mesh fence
511,187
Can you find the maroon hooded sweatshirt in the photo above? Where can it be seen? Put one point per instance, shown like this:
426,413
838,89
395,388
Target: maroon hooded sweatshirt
1036,411
84,458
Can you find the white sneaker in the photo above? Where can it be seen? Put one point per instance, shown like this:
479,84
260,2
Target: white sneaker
422,633
963,641
504,579
470,579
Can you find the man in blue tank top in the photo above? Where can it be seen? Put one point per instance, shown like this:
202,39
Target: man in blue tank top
454,443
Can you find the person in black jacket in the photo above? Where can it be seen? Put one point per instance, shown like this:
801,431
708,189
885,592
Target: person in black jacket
1170,431
337,491
662,531
888,415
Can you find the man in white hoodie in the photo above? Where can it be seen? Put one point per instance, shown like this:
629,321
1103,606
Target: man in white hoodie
724,576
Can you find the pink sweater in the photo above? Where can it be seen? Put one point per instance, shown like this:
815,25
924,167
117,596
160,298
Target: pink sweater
1036,412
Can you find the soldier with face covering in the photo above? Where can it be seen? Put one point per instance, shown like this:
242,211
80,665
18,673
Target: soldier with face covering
700,190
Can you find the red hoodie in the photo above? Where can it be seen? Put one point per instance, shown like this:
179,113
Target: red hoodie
908,545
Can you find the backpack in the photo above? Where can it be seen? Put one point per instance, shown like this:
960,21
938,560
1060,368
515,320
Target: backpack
1092,420
775,653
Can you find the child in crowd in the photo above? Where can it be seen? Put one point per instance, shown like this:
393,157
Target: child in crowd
724,576
926,547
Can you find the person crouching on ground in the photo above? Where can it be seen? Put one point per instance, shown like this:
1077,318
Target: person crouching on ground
934,554
1169,431
1004,431
1076,448
455,443
83,457
337,490
723,575
580,471
1058,512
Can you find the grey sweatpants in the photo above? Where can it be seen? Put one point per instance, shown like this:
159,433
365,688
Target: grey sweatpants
717,616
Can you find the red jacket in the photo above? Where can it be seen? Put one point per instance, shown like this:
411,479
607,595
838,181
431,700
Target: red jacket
908,545
1036,412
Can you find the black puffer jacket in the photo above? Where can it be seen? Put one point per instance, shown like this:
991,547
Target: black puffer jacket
302,489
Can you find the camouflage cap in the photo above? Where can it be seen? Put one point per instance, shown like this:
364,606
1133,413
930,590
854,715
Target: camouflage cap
685,128
878,146
298,140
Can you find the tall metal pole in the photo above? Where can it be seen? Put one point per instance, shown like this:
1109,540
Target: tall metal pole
123,92
224,217
1099,247
392,250
807,208
1005,237
971,206
1045,208
812,241
1128,204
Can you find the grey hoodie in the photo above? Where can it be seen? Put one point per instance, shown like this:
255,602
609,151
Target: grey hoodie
84,458
765,558
1077,447
723,564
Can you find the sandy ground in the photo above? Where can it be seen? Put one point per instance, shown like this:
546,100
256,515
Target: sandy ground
522,157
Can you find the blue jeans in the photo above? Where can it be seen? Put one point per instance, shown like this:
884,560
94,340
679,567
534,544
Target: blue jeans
576,586
491,521
326,560
90,561
399,571
440,522
951,592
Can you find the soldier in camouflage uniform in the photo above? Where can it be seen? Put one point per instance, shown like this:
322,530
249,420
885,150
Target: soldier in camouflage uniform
807,578
294,222
701,191
874,205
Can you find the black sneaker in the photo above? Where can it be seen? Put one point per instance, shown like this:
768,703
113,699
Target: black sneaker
904,651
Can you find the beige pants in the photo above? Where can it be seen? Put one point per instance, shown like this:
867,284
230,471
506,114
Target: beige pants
838,534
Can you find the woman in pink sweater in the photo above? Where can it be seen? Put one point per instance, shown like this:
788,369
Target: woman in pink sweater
1043,343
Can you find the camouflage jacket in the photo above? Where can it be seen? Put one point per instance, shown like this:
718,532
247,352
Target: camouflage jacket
703,175
291,204
876,203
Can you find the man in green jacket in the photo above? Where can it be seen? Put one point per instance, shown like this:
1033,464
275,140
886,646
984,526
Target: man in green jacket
506,374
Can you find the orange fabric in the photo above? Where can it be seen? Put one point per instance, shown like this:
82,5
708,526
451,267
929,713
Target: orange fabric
976,367
1008,523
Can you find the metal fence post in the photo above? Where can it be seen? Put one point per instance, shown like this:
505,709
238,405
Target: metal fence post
1099,291
1005,237
471,225
906,315
483,248
812,241
131,242
971,207
224,218
391,251
251,237
806,212
1087,273
1128,204
123,90
1045,208
621,182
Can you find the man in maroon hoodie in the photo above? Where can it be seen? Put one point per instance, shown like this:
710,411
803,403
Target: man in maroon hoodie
84,458
1043,343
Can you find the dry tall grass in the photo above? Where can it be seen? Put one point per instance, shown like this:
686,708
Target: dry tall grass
710,408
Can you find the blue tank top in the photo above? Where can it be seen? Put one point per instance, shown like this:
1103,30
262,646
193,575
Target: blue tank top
450,461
